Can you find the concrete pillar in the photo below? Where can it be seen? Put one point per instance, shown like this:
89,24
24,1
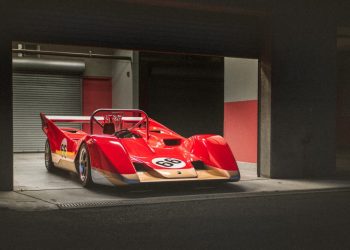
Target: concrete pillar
122,82
298,91
264,92
6,151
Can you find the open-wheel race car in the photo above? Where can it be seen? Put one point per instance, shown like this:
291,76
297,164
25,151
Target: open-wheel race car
127,147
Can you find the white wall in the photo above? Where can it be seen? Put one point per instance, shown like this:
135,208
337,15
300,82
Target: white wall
241,79
135,78
97,67
122,82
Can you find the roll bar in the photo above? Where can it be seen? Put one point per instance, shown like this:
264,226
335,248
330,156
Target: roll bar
141,112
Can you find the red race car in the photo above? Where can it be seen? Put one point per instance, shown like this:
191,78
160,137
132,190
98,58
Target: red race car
127,147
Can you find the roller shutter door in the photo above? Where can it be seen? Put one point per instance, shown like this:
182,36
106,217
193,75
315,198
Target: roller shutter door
35,93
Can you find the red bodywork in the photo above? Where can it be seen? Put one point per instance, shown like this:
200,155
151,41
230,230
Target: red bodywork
146,152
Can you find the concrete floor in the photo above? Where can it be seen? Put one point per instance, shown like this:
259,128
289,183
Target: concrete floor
36,189
313,220
30,174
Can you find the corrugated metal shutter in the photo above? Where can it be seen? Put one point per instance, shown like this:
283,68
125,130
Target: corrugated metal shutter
35,93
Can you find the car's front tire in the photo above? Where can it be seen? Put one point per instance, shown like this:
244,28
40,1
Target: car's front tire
48,158
84,167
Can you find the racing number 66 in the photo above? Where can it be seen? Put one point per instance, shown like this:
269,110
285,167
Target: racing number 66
168,162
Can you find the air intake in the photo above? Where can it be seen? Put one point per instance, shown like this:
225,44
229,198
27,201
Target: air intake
172,142
140,167
198,165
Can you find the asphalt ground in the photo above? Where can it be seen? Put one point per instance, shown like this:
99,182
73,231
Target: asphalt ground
314,220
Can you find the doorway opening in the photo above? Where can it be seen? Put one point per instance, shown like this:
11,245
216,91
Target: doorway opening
241,112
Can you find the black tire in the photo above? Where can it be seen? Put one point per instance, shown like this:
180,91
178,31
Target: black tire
84,167
48,158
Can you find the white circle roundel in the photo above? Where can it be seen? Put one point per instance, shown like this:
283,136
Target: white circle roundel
167,162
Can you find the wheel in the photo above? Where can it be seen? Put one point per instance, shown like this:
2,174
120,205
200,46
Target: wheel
84,168
48,157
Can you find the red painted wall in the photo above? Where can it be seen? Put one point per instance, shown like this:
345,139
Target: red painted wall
97,93
241,129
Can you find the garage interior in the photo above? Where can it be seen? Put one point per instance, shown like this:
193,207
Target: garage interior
217,96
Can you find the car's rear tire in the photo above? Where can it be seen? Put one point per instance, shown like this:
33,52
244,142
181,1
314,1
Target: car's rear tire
48,157
84,167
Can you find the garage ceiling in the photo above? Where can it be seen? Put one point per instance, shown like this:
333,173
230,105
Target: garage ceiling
150,25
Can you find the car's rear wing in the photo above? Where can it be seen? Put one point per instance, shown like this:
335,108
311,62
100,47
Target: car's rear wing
85,119
138,117
71,119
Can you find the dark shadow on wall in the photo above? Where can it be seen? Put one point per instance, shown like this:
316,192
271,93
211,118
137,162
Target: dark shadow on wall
185,93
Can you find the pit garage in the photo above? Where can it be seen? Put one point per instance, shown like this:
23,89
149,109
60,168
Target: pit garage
235,67
191,94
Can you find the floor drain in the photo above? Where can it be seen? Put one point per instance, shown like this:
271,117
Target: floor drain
90,204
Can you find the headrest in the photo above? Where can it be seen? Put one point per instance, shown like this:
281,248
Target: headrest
108,128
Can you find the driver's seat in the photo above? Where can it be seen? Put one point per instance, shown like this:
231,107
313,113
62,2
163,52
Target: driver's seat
108,128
